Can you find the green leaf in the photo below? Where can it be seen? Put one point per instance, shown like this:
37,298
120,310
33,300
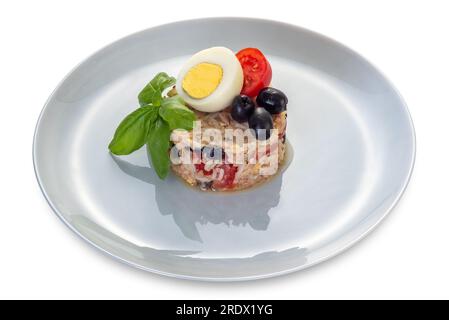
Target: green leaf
158,145
178,116
132,132
152,93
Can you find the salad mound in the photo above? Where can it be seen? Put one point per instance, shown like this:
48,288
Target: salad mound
219,125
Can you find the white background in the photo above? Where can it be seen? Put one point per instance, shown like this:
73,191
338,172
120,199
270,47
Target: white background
406,257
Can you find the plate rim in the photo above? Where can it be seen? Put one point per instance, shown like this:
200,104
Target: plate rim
334,253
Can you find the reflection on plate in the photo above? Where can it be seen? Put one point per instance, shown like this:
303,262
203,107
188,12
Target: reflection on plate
191,206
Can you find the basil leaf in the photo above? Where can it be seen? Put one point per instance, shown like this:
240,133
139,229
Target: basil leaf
132,132
178,116
152,93
158,144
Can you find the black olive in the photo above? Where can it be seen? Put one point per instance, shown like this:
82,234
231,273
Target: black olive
204,185
262,122
273,100
242,108
196,153
212,153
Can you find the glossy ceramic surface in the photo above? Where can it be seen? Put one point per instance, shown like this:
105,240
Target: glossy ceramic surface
351,154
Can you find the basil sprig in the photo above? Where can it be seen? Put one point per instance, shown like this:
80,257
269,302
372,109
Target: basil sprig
152,123
152,93
177,115
132,132
158,144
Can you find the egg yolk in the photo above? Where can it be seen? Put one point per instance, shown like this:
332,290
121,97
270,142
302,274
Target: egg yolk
201,80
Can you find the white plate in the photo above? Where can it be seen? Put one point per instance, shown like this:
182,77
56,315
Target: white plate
352,141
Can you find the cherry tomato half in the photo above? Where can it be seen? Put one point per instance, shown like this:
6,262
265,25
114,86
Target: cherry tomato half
229,172
256,71
200,167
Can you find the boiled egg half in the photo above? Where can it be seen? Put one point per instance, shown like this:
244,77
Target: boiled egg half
210,79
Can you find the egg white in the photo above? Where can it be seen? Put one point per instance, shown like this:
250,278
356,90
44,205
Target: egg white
231,83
